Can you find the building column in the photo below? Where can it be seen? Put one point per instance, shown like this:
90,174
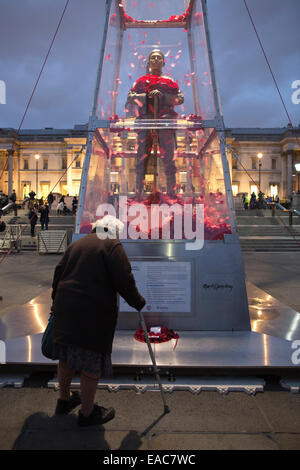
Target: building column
69,170
10,171
289,173
283,176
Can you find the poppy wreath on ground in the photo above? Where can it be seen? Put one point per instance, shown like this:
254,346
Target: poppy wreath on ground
164,336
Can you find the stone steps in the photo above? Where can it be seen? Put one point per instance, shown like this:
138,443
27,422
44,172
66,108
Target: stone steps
284,245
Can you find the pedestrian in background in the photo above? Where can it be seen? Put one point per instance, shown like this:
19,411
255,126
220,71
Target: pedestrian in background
31,200
13,199
50,199
253,201
33,217
44,217
60,208
74,205
85,308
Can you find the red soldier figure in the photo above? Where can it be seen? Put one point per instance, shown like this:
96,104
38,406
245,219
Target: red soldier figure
156,95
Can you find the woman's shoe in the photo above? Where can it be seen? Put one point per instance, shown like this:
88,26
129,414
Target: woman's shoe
64,407
99,415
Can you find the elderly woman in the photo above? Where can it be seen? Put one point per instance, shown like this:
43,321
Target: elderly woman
85,286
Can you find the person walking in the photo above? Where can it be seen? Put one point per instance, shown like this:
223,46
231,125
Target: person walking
253,201
13,199
44,217
84,293
246,202
60,208
74,205
31,200
33,217
50,199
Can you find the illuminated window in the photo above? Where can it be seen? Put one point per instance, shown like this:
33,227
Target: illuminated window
64,188
235,189
254,189
274,190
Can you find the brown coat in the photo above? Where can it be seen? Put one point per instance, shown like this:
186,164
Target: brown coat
85,287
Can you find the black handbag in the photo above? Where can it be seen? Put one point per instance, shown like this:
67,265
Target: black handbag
47,343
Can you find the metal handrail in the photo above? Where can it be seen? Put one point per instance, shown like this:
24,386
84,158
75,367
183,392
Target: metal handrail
294,211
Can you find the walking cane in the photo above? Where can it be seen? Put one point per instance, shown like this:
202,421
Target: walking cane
166,408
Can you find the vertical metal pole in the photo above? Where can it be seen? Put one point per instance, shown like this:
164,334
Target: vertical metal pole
36,178
101,59
83,182
219,117
117,75
194,86
85,170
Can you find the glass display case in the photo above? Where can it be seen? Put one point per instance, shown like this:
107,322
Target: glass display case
154,115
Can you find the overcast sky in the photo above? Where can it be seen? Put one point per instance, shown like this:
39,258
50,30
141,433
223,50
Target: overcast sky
63,97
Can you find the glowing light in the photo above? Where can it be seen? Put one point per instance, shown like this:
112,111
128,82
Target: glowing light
29,349
36,314
265,344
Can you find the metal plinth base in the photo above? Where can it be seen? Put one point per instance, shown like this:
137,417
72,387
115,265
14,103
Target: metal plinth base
195,349
291,383
268,345
196,385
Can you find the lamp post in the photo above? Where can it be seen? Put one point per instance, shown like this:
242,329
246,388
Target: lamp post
297,166
37,157
259,156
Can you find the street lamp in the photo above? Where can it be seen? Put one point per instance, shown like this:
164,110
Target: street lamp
37,157
259,156
297,166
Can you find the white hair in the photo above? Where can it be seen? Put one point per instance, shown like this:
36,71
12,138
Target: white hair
108,227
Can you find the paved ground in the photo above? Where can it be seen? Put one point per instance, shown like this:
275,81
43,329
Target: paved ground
269,420
211,421
276,273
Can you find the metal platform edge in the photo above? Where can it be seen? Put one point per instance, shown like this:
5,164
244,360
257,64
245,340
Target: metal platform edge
222,385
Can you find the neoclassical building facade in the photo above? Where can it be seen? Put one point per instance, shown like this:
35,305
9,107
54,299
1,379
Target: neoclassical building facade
53,170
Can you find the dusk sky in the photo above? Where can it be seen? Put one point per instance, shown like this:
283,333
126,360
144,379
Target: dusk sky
63,97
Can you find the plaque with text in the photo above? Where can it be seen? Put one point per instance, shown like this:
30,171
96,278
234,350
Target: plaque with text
166,286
